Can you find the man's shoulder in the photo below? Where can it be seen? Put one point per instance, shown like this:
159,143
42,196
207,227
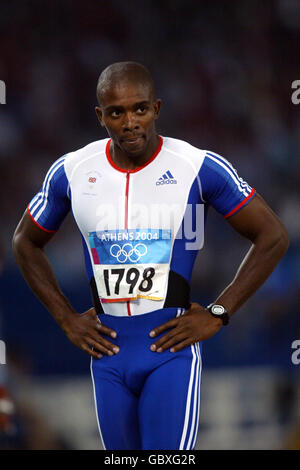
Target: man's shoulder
183,149
76,157
208,158
93,148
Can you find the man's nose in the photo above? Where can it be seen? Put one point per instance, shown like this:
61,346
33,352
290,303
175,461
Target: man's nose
130,122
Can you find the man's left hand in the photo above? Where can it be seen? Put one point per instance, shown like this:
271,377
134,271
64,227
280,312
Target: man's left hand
196,324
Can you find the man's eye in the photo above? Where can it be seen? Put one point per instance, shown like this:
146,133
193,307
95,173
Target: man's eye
141,109
115,114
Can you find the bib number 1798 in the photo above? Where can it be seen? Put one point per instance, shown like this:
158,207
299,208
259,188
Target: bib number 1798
132,278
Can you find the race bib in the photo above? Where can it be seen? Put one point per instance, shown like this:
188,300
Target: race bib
131,264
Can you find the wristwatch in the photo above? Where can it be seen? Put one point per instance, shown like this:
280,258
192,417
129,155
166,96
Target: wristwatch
219,311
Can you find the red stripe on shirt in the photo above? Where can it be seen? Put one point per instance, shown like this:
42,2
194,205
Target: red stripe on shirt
123,170
126,200
240,204
126,223
36,223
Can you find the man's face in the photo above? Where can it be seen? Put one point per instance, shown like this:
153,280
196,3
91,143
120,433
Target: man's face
128,112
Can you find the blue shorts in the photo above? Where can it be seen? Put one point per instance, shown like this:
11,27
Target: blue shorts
144,399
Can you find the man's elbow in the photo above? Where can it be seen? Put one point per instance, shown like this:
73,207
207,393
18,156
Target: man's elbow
280,240
285,240
18,244
273,238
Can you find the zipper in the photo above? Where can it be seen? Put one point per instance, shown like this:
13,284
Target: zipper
126,199
126,223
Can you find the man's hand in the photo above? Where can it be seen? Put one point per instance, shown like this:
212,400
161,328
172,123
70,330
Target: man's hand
196,324
84,331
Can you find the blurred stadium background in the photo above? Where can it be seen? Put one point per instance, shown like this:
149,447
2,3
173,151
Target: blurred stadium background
224,71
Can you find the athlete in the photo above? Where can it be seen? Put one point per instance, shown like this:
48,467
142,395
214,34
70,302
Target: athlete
140,201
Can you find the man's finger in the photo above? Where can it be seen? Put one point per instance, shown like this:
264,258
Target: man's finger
90,351
107,331
165,338
171,342
165,326
181,345
103,345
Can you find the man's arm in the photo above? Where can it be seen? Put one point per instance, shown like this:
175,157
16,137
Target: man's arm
83,330
257,222
270,241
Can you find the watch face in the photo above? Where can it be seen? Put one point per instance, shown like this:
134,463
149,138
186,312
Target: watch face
217,309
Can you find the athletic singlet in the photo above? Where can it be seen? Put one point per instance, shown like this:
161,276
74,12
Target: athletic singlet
141,229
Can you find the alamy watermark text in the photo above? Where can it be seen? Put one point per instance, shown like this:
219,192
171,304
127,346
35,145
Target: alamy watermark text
2,352
296,94
296,354
2,92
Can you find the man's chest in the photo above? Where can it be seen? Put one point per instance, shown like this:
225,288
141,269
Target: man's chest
155,197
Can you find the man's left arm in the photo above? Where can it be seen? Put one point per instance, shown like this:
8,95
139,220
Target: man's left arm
270,241
257,222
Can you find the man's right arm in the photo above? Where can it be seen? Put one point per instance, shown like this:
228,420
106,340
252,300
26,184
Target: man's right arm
83,330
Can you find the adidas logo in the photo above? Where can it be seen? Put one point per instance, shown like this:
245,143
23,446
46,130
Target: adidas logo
166,178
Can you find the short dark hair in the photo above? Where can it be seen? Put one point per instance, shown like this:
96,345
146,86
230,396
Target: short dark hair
125,71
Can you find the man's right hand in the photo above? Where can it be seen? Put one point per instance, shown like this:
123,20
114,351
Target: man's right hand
84,330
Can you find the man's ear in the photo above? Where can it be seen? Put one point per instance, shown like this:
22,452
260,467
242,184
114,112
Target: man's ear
99,115
157,106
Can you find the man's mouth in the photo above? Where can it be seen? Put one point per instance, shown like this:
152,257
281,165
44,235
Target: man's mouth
132,140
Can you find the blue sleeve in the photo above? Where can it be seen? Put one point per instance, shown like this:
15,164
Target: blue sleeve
222,187
51,204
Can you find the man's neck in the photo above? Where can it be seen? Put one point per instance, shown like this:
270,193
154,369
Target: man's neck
127,162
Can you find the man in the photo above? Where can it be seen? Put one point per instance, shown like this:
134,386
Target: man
143,334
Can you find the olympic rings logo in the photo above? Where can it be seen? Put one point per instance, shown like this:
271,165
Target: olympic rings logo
128,252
